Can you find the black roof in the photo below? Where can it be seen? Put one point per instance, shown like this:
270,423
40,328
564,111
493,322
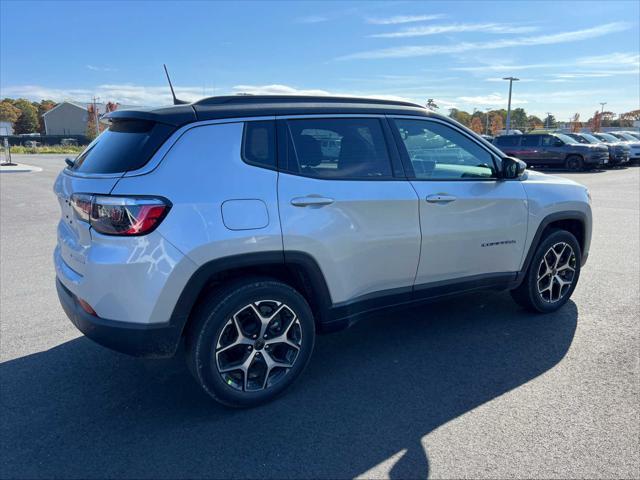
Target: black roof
268,105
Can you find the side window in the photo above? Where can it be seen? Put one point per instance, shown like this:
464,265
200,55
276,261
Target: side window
259,144
507,141
530,140
340,148
547,141
438,152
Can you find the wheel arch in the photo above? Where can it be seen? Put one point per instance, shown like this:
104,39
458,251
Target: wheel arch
297,269
573,221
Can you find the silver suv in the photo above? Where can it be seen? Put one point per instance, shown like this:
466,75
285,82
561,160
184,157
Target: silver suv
242,226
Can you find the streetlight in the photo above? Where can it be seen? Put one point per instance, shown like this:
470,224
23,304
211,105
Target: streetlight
487,121
602,104
511,80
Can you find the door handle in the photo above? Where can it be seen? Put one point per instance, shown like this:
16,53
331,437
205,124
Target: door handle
440,198
311,201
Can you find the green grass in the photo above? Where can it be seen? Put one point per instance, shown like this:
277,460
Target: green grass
47,149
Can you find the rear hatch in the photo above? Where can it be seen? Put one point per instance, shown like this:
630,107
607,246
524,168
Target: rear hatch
127,145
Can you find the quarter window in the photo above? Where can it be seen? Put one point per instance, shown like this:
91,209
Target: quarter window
259,144
339,148
438,152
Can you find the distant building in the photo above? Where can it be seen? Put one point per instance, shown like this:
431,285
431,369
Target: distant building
70,118
66,118
6,128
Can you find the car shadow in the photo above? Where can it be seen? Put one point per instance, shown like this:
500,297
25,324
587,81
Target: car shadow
370,392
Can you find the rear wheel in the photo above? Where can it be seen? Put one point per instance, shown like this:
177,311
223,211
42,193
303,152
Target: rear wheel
552,275
250,341
574,163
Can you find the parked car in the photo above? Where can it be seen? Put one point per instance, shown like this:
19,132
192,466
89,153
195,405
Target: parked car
635,135
223,225
553,150
618,152
632,142
613,140
69,142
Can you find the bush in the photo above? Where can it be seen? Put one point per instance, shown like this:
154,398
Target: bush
48,149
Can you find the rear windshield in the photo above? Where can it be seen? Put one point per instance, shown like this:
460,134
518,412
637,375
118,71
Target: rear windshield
127,144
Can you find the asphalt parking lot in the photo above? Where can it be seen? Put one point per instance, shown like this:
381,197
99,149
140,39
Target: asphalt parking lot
472,387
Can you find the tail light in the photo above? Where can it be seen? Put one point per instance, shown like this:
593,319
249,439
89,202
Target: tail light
125,216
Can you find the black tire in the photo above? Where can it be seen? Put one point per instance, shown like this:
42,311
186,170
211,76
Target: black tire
574,163
528,295
212,319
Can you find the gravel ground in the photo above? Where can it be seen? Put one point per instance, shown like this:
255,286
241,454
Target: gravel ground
472,387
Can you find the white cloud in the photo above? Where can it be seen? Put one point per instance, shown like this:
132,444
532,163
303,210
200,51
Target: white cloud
424,50
276,89
125,93
96,68
312,19
616,58
493,99
399,19
456,28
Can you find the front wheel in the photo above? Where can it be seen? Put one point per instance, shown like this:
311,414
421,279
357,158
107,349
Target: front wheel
574,163
552,275
250,341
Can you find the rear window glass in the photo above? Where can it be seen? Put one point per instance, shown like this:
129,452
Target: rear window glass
126,145
259,144
507,141
530,141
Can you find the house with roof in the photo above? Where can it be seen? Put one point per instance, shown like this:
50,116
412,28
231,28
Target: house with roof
70,118
66,118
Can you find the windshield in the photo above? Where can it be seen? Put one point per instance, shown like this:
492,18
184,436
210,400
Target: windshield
628,137
607,138
590,138
566,139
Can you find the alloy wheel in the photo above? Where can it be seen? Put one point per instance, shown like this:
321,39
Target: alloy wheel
556,272
258,346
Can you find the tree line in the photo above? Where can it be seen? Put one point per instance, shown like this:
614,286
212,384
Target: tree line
491,122
26,116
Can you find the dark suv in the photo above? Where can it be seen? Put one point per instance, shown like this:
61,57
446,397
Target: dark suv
618,152
553,150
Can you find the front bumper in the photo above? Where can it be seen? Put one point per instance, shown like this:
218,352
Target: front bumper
131,338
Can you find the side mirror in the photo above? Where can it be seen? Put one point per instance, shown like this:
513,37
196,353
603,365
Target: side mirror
512,167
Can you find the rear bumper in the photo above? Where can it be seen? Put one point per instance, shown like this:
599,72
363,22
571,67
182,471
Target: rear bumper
131,338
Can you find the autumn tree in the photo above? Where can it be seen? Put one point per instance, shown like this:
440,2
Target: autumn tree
519,119
496,123
594,122
43,107
460,116
27,122
476,125
534,122
8,113
576,125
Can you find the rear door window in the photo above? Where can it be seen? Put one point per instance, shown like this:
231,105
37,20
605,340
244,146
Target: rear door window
530,141
339,148
128,144
510,141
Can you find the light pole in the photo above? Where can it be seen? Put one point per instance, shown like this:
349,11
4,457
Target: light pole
602,104
511,80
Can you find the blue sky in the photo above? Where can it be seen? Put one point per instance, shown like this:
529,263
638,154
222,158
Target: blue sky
569,55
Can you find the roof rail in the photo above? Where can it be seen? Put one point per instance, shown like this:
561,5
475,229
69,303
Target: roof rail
262,99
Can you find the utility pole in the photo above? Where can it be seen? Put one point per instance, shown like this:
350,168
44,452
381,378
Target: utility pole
486,128
95,115
511,80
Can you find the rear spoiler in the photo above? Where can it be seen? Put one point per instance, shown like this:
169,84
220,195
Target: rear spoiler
174,116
